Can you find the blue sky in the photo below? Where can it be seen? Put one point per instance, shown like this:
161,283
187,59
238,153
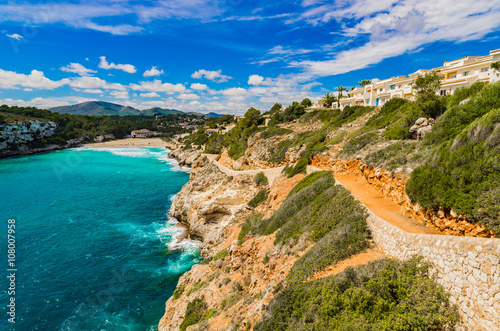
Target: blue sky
225,55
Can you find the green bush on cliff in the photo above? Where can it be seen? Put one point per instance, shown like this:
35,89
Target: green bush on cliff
392,156
463,173
383,295
221,255
260,179
178,291
299,168
274,131
464,170
355,144
324,213
195,311
258,199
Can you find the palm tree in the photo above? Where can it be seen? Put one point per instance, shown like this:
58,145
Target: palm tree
340,89
365,82
328,99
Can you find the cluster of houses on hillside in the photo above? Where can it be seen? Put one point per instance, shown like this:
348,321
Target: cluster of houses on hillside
454,74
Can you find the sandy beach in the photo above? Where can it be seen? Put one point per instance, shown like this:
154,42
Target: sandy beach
131,142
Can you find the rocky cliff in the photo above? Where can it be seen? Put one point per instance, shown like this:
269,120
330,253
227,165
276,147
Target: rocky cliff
233,279
15,137
210,201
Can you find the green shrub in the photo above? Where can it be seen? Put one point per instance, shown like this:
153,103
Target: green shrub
458,117
338,138
196,286
214,144
260,179
274,131
194,313
231,301
323,212
258,199
354,145
299,168
463,93
382,295
403,120
178,291
336,221
392,156
221,255
464,172
250,223
278,152
209,314
266,258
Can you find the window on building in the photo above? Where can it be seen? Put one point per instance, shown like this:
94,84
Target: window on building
392,86
442,92
381,89
485,69
466,73
399,86
453,76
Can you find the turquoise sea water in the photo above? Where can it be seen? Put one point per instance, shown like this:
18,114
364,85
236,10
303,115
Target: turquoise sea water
95,249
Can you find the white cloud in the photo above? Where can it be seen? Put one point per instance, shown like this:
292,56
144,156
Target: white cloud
120,94
124,67
82,15
153,72
157,86
95,83
15,36
36,79
78,69
288,51
95,91
150,95
215,76
235,91
255,80
199,87
188,96
394,28
256,17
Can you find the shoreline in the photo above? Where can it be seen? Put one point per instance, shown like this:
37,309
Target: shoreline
130,142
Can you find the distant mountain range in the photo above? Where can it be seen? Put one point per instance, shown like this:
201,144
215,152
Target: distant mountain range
98,108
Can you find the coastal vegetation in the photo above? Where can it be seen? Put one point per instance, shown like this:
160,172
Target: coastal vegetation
459,154
383,295
336,224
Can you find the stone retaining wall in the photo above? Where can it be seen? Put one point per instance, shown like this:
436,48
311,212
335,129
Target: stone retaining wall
468,268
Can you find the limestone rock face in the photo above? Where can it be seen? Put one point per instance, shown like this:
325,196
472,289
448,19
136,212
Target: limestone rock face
185,157
24,132
210,201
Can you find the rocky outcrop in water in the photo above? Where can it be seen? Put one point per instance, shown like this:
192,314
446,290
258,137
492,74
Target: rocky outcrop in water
185,157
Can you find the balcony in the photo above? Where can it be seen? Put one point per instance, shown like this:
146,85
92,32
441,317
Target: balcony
407,90
484,75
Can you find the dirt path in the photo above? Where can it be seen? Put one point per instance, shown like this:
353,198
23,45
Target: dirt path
381,206
359,187
270,173
371,254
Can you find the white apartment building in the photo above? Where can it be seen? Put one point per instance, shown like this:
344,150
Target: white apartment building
454,74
